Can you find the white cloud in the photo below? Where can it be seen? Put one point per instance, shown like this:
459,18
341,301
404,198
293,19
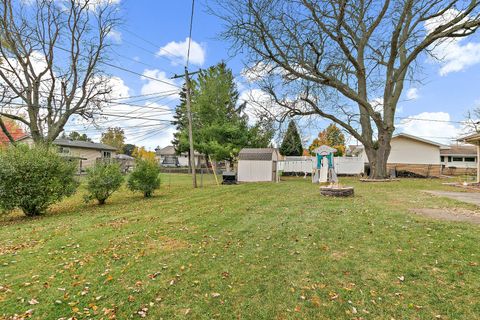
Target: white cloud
432,126
454,54
377,104
256,72
177,52
145,123
258,102
165,85
412,94
115,35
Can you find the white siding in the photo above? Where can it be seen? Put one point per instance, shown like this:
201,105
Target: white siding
343,165
254,170
349,165
409,151
183,160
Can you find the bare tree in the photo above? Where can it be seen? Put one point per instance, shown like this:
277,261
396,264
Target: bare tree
346,61
51,53
472,121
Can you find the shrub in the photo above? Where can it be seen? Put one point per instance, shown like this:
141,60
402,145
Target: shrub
102,180
33,178
145,177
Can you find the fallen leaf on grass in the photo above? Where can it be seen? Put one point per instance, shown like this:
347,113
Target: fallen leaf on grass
33,301
316,301
143,312
154,275
215,294
333,295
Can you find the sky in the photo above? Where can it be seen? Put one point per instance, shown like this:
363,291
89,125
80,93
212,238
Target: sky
152,41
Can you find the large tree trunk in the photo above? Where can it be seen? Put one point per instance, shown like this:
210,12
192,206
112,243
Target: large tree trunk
378,155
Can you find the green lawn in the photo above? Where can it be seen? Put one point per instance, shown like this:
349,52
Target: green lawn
251,251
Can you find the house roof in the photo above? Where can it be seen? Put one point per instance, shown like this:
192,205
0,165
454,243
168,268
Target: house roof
257,153
463,150
409,136
167,151
83,144
473,138
170,151
17,133
123,157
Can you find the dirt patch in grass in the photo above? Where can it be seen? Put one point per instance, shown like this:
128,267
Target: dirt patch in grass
168,244
450,214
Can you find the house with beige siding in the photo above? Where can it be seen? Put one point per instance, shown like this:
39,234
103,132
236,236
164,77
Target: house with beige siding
410,153
87,153
168,157
414,154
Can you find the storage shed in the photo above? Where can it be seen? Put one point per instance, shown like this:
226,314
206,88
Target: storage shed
258,164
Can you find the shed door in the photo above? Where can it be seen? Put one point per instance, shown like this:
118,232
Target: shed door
274,171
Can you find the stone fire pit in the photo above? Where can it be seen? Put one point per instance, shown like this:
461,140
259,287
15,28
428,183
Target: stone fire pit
336,191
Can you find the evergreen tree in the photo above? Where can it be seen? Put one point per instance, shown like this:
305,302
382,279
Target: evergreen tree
128,149
180,137
261,134
220,129
292,143
220,126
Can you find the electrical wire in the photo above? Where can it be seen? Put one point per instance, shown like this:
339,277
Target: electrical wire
190,33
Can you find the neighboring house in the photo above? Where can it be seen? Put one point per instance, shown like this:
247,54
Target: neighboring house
127,163
16,132
258,164
167,157
410,153
474,139
459,159
88,153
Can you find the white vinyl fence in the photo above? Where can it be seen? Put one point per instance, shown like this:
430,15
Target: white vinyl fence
343,165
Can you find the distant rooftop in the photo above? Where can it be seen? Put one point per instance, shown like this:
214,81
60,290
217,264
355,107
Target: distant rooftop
83,144
169,151
257,153
464,150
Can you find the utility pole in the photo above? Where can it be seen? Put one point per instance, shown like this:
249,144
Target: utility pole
190,126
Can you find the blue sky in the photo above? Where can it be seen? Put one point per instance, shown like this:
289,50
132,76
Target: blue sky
447,91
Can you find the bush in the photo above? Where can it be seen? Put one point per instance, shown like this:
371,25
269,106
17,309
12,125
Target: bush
145,177
102,180
34,178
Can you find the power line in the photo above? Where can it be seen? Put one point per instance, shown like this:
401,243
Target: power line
150,43
190,33
103,62
105,114
430,120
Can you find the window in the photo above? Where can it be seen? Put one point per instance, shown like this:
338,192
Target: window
470,159
63,150
449,159
457,159
442,158
107,154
